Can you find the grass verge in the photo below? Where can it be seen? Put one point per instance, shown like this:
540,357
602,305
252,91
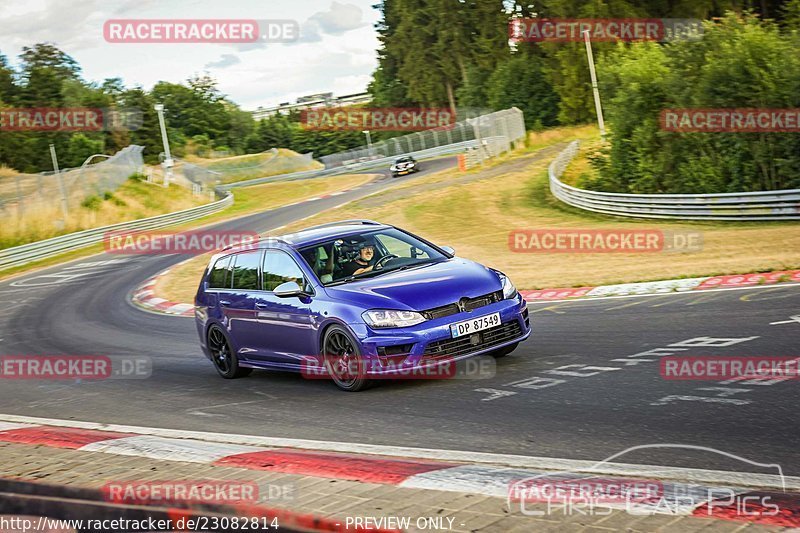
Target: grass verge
250,166
133,200
477,217
247,200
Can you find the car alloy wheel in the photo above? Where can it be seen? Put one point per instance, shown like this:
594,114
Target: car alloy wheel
343,361
225,361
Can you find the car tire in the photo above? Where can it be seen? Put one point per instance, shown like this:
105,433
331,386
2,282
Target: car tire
342,355
224,358
504,351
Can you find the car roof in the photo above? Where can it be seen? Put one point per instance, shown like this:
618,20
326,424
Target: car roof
325,232
308,236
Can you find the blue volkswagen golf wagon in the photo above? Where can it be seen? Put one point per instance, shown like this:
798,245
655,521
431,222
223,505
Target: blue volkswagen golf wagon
359,299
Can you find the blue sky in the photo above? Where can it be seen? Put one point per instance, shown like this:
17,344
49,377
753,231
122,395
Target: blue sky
336,51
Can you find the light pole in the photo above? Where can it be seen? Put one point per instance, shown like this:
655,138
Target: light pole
598,108
60,178
369,142
168,162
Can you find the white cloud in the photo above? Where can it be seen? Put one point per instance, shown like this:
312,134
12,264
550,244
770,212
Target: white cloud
225,61
340,18
338,56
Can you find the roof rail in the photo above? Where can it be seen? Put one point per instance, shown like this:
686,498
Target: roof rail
345,222
259,240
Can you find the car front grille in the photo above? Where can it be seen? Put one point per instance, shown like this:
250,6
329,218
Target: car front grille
467,344
470,304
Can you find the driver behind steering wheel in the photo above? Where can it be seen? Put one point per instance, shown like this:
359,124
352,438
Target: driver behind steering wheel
363,262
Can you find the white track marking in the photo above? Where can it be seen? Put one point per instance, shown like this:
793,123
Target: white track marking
487,480
492,481
702,291
6,426
191,451
794,318
505,460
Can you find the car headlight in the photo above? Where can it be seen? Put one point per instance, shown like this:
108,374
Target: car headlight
509,291
388,318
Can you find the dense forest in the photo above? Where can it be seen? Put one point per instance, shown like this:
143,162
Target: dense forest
456,53
198,116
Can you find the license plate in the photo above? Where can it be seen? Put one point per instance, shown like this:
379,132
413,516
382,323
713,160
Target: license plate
469,327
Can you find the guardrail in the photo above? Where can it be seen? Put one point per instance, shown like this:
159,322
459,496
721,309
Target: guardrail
367,165
27,253
766,205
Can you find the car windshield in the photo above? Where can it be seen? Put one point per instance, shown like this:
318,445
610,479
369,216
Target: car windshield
404,160
368,254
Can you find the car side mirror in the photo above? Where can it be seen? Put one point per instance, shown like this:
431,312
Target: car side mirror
449,250
288,289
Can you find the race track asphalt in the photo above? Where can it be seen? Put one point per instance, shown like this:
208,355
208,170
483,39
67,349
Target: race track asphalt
571,391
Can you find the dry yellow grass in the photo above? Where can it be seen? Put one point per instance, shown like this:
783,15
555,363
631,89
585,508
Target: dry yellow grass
580,167
133,200
6,172
476,219
475,211
181,283
541,139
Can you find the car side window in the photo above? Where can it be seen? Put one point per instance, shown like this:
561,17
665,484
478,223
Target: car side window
401,248
217,278
245,271
279,267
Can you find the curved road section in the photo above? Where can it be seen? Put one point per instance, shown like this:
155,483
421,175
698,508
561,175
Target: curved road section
587,385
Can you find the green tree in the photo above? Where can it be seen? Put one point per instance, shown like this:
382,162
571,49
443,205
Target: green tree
520,82
741,62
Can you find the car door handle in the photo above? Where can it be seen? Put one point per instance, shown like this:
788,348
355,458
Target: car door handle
261,306
226,303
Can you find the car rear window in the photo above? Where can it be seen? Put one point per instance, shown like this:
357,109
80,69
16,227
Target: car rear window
245,271
217,278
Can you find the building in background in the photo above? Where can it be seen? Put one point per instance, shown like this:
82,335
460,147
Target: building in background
311,101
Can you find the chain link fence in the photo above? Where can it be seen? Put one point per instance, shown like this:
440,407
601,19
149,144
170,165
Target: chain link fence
28,196
270,163
493,133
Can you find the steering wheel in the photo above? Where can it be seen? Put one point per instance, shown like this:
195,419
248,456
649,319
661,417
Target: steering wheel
380,263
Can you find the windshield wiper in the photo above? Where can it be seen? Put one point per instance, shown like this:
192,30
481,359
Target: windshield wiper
356,277
373,273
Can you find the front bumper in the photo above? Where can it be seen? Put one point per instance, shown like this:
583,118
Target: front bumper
402,171
398,350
